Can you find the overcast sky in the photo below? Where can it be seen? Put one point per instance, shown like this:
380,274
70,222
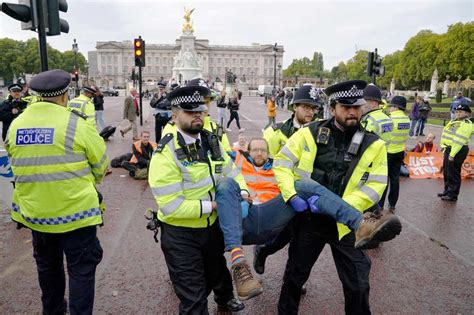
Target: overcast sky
335,28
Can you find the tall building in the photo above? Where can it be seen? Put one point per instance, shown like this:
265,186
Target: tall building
113,62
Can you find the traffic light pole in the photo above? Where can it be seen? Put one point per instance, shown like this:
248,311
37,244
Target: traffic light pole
374,77
42,37
140,94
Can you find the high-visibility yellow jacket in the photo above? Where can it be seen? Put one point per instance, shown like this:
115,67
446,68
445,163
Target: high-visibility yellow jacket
261,182
278,135
57,159
84,104
377,122
295,161
209,125
401,128
180,186
456,134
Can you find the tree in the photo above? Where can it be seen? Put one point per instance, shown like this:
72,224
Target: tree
12,60
306,67
357,66
69,61
391,63
339,72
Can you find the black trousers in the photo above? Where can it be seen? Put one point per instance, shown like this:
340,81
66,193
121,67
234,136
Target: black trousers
160,123
279,242
83,254
394,162
132,167
197,266
353,268
234,115
452,171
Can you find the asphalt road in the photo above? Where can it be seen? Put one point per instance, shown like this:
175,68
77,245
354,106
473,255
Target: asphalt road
428,269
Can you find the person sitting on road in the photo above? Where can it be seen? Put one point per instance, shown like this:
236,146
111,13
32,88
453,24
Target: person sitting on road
427,146
142,150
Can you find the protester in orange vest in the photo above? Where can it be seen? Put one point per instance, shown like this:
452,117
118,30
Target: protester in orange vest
271,113
142,150
426,147
267,214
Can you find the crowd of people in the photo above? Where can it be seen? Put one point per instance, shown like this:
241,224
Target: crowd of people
306,182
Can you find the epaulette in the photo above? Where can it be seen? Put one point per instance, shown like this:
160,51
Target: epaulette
78,113
163,142
278,126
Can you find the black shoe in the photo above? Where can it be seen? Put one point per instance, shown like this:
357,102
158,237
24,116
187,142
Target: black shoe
233,305
422,134
259,259
449,198
303,289
442,194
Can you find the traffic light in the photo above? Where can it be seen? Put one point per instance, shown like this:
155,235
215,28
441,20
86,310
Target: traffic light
55,25
370,63
139,48
379,69
21,12
374,64
76,76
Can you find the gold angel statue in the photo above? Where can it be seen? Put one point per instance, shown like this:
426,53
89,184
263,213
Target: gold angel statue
187,26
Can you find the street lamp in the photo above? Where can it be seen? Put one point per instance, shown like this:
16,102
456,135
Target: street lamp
297,74
275,49
279,74
75,49
252,80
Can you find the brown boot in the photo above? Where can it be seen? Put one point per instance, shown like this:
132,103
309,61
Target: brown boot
246,285
375,228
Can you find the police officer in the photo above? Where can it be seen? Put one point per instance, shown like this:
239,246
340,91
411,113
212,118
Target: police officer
454,141
396,149
375,120
84,103
11,107
350,162
162,110
57,161
191,177
305,103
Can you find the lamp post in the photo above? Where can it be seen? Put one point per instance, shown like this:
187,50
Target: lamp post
75,49
297,74
252,81
279,74
275,49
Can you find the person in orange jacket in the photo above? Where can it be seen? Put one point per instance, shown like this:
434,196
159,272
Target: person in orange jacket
142,150
272,111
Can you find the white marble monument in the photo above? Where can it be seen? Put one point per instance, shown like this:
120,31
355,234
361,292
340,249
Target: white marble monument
187,64
434,81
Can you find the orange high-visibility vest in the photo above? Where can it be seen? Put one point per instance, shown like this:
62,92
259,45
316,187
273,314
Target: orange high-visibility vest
261,183
138,147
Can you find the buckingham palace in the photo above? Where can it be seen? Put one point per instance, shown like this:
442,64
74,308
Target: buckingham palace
112,62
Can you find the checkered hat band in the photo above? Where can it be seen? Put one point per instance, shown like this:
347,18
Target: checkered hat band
347,94
54,93
187,99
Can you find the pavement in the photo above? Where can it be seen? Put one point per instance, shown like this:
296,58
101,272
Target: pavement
428,269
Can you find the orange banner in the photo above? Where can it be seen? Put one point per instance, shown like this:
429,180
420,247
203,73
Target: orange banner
430,165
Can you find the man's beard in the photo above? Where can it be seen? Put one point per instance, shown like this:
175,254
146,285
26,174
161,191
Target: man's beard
347,127
193,129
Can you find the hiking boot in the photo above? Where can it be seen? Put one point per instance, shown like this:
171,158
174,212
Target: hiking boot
259,259
377,228
246,285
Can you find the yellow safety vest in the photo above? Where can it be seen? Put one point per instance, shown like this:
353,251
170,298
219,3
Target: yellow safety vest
377,122
278,135
179,186
57,159
84,104
456,134
295,161
401,128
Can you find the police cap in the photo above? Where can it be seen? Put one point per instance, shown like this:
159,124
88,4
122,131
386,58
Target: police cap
399,101
15,87
308,94
349,93
51,83
464,105
90,89
174,86
189,98
200,82
161,85
372,93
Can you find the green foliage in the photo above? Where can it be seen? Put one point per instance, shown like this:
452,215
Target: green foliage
357,66
339,72
19,57
439,96
306,67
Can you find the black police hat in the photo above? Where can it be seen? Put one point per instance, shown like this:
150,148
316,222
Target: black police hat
51,83
200,82
373,93
90,89
174,86
399,101
189,98
15,87
349,93
161,84
308,94
464,105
